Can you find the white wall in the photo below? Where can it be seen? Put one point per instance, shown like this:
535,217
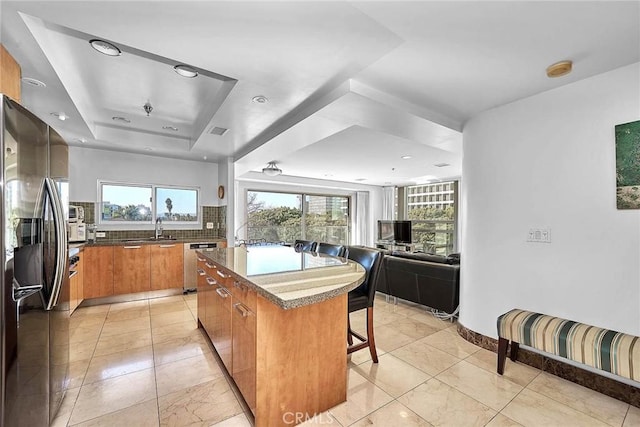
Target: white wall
87,166
256,181
549,161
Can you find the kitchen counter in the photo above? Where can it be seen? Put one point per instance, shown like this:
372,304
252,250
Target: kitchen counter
278,320
143,241
287,278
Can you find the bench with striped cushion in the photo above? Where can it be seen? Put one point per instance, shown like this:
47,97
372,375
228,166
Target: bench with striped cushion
604,349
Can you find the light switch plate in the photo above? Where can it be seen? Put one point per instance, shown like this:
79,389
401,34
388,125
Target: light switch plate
209,226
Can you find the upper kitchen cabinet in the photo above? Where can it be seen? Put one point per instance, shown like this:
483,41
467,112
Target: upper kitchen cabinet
10,75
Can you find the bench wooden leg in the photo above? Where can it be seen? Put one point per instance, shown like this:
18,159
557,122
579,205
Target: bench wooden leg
514,351
503,343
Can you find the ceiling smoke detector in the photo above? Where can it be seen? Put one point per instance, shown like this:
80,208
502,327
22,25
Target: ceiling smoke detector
120,119
260,99
61,116
186,71
172,128
441,165
105,47
559,69
272,169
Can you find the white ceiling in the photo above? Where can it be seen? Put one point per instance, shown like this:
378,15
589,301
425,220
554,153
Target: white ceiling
352,86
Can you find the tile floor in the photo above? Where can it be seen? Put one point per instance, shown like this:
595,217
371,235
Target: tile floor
145,363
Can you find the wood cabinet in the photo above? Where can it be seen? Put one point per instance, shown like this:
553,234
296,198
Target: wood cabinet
283,361
167,266
98,271
201,286
244,342
131,269
218,313
10,75
76,285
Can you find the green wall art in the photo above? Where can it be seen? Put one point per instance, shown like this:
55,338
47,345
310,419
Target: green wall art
628,165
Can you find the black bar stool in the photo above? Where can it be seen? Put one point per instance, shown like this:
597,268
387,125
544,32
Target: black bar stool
329,249
363,296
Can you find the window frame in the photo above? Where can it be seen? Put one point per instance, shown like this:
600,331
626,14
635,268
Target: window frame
146,225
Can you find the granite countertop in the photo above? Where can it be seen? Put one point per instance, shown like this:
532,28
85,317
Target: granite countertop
143,241
288,278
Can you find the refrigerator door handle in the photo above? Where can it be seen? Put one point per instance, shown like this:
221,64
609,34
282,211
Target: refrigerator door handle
61,242
21,292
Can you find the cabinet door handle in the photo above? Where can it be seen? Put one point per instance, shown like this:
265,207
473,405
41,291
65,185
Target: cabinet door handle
244,311
201,272
167,246
208,264
221,274
222,292
201,259
132,247
211,281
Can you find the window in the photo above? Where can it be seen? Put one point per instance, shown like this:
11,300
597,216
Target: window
433,217
285,217
128,204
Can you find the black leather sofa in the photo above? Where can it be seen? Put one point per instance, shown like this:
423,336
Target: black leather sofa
427,279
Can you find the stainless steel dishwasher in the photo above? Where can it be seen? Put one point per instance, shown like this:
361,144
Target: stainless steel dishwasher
190,262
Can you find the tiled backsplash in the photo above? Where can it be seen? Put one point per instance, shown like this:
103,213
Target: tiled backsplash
215,214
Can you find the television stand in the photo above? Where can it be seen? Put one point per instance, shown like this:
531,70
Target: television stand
394,246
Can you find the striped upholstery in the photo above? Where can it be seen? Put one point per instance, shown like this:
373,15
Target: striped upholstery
600,348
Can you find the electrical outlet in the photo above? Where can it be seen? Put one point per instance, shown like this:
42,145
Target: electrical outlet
539,235
209,226
101,234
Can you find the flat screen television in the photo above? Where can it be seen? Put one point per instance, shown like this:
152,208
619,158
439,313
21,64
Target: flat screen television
394,231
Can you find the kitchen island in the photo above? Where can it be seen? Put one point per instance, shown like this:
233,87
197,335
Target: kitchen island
278,320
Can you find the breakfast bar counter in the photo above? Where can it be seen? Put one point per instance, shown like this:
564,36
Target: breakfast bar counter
278,320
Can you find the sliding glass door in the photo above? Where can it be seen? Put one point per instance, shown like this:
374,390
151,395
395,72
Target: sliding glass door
285,217
326,219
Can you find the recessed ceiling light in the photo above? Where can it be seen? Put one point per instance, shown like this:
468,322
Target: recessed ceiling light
204,157
387,182
186,71
120,119
260,99
61,116
173,128
105,47
405,157
360,179
80,140
559,69
148,148
33,82
441,165
327,174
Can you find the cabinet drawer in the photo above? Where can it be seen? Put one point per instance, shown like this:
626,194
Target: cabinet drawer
243,294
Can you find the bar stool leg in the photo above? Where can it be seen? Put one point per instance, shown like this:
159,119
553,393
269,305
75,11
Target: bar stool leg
370,339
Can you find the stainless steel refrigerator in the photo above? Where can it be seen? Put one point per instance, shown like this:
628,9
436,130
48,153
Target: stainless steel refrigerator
34,302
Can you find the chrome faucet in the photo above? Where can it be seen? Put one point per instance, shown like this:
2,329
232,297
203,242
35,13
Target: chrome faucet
158,227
